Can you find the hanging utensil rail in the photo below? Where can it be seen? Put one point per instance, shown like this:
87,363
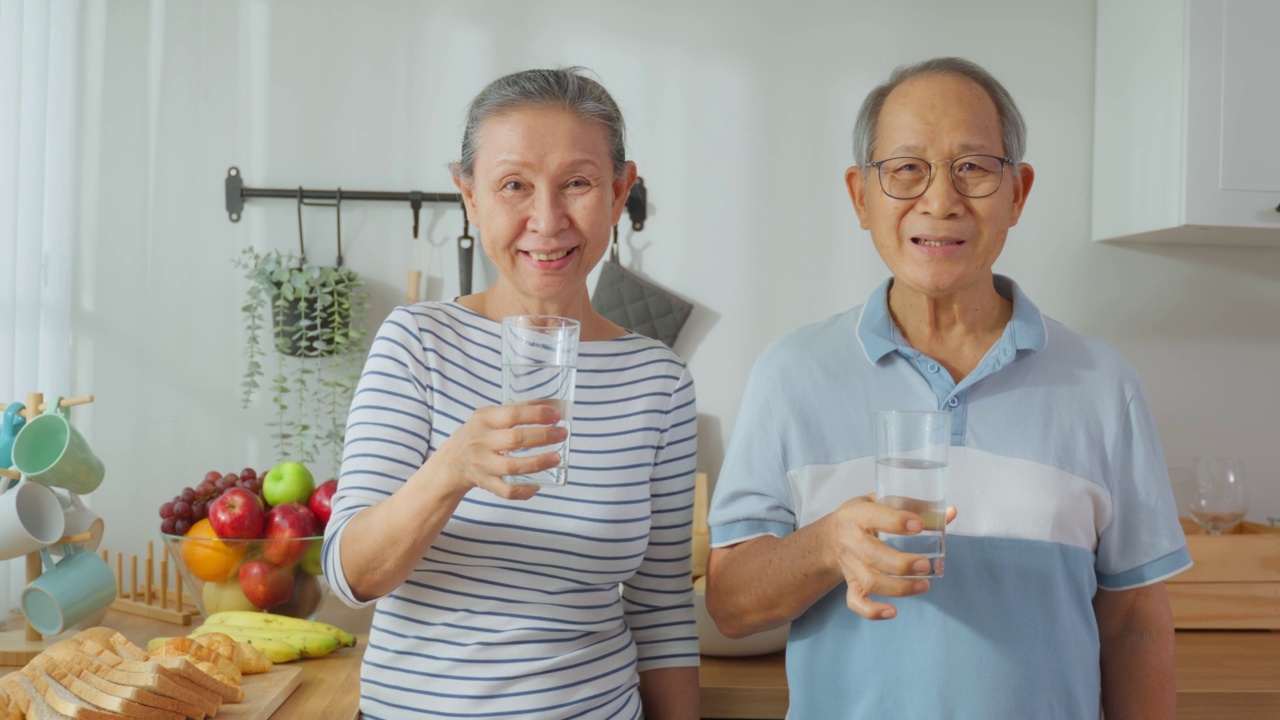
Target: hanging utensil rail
236,193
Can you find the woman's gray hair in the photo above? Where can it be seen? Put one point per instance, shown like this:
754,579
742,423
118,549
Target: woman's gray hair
1013,128
566,88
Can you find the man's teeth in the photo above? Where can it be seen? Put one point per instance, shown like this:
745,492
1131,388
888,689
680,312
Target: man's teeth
548,256
934,243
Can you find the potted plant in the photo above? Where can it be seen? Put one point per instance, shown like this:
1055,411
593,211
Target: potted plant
316,316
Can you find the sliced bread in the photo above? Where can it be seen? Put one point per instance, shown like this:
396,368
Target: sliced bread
127,691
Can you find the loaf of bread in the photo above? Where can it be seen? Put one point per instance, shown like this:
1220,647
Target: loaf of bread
99,675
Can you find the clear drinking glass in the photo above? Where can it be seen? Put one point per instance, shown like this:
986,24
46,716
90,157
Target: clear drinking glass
911,474
1218,500
539,362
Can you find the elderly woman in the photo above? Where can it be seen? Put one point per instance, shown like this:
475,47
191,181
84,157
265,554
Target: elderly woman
513,601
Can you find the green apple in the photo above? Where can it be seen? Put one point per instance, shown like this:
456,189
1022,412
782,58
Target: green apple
287,482
311,561
225,595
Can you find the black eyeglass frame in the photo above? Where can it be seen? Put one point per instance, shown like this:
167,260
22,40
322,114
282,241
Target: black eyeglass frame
950,174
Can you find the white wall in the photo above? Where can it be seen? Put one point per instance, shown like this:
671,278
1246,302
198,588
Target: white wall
739,116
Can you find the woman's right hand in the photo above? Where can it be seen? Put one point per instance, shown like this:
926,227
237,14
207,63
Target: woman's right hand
476,454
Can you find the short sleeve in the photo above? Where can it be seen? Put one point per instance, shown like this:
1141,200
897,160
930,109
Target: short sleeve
1143,543
753,495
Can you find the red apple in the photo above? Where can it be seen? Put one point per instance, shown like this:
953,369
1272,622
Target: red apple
266,585
238,514
321,501
284,523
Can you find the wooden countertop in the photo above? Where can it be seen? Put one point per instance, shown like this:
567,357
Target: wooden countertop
1222,675
330,686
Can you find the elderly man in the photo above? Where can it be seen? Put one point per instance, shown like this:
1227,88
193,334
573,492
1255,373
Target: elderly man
1063,524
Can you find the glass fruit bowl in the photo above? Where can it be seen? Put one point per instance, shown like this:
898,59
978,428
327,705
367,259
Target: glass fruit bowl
281,575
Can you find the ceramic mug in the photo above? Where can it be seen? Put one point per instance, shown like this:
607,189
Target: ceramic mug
77,587
50,451
9,427
79,521
30,518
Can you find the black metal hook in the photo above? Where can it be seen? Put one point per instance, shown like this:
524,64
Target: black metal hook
302,248
638,204
415,202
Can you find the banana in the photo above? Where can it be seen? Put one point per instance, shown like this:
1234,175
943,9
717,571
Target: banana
309,643
277,651
156,642
250,619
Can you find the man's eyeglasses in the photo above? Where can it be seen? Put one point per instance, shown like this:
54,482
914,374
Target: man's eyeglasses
974,176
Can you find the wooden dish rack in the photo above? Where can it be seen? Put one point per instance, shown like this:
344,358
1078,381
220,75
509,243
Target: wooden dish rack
1235,582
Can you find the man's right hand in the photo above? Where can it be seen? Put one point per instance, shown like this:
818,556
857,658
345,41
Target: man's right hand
867,563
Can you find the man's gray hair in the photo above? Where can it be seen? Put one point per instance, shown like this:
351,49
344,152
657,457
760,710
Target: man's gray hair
566,88
1013,128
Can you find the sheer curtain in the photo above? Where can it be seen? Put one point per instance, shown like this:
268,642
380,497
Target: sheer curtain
39,64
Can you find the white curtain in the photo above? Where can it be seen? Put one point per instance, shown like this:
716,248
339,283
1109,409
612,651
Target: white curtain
39,86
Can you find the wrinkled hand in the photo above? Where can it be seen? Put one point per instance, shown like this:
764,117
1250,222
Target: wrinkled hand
475,455
867,563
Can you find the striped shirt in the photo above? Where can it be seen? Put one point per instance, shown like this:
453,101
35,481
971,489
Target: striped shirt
545,608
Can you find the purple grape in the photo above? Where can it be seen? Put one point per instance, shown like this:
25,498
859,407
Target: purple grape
187,494
198,510
182,510
181,527
205,489
168,526
166,510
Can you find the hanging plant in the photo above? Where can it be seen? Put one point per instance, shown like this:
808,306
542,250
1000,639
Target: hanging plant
317,338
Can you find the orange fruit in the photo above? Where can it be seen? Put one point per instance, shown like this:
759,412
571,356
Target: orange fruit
207,557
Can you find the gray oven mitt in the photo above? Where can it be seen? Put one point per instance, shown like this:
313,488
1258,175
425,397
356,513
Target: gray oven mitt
637,304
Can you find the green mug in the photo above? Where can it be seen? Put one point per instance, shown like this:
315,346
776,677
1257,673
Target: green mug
70,591
51,451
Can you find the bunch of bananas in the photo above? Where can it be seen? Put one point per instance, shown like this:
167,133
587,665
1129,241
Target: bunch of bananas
282,639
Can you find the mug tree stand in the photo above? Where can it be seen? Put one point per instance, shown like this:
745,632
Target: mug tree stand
18,646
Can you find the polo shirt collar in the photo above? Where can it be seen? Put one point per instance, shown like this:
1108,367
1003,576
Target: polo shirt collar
879,336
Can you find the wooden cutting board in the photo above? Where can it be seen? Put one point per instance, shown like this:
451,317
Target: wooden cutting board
263,693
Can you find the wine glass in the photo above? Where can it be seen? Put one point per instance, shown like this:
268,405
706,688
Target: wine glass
1218,501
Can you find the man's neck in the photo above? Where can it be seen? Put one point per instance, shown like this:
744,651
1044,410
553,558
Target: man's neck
957,329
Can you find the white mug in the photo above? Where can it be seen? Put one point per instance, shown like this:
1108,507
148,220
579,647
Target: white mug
79,521
30,519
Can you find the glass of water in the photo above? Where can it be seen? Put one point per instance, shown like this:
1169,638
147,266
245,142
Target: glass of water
1218,500
911,474
539,362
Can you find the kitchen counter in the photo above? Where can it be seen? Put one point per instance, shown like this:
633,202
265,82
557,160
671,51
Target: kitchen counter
1221,675
330,686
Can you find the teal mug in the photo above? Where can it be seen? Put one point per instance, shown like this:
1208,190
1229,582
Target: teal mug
9,428
78,587
51,451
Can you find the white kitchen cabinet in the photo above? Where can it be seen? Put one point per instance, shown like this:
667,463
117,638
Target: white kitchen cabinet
1187,122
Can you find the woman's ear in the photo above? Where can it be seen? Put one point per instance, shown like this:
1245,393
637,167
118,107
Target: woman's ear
622,184
467,188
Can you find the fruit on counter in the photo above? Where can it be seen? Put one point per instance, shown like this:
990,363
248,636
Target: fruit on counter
287,482
209,558
274,620
282,639
238,514
226,595
305,599
322,499
284,523
310,562
191,505
308,643
266,584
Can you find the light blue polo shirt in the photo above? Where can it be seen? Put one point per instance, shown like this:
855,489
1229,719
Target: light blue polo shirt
1061,487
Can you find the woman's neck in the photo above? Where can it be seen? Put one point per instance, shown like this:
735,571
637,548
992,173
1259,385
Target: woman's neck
496,304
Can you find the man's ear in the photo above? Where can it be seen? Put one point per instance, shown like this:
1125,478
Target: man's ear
855,181
1022,180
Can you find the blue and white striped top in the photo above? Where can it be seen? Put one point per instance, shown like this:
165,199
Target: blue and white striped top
546,608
